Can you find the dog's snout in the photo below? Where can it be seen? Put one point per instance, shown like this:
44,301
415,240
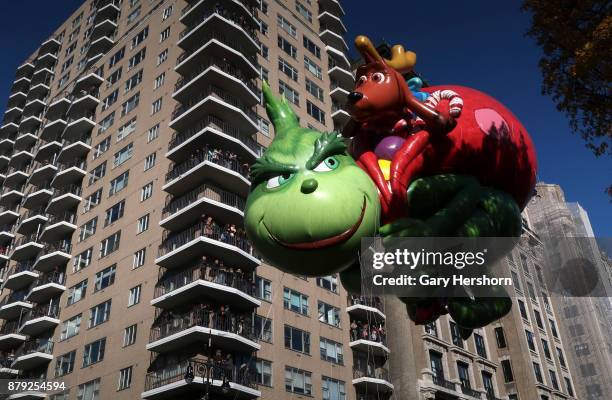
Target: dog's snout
354,97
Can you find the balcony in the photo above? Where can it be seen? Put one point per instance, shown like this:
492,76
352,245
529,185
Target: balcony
220,47
46,60
17,99
85,102
332,6
105,27
53,129
9,129
337,58
65,198
20,85
77,148
340,115
39,319
172,332
442,382
366,308
332,22
205,199
49,45
4,256
368,339
331,37
216,101
207,164
6,145
25,141
8,215
26,247
13,305
26,69
169,383
6,234
58,107
37,197
236,10
79,126
342,77
339,93
18,160
12,114
468,391
43,75
108,11
20,276
47,286
53,255
87,82
58,227
39,91
100,45
42,173
10,197
210,23
33,353
70,173
10,337
371,379
32,221
204,280
30,123
203,239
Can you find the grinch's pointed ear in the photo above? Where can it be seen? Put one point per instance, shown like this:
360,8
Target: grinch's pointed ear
279,111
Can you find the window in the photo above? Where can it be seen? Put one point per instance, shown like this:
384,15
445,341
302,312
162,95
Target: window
165,34
561,357
163,56
134,3
129,335
82,260
146,192
153,133
263,28
143,224
507,370
110,99
101,147
159,81
77,20
435,360
314,89
134,296
287,69
553,328
537,372
89,390
263,328
287,47
313,68
531,291
65,363
94,352
455,335
331,351
264,126
149,161
546,349
110,244
286,25
263,288
328,283
126,129
139,258
500,337
463,370
333,389
304,12
263,369
315,112
295,301
97,173
530,341
538,319
524,263
106,122
133,81
546,302
70,327
105,278
291,94
115,58
167,12
125,378
67,64
137,58
582,349
114,77
487,382
312,47
523,310
264,51
568,385
481,348
99,314
329,314
140,37
119,183
263,73
88,229
297,339
156,106
133,15
63,80
298,381
432,328
123,155
263,6
130,104
553,379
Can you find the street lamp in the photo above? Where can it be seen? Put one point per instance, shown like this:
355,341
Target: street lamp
208,370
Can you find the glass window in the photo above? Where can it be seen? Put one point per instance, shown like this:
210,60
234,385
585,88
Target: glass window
130,104
89,390
523,310
140,37
94,352
97,173
538,319
110,244
125,378
159,80
481,347
105,278
312,47
297,339
114,77
264,288
165,34
291,94
331,351
328,282
110,99
463,370
70,327
82,260
153,133
313,68
295,301
546,349
137,58
101,147
99,314
146,192
303,11
538,372
167,12
500,337
287,47
329,314
106,123
553,379
123,155
314,89
139,258
143,224
507,370
133,81
287,69
333,389
156,106
88,229
487,382
64,364
133,15
263,328
315,112
119,183
298,381
286,25
455,335
115,58
263,369
126,129
150,161
530,341
129,335
435,360
134,296
162,57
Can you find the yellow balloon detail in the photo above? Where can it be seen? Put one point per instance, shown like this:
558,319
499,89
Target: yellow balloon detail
385,167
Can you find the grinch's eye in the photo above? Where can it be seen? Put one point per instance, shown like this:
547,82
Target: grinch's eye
362,79
278,180
330,163
378,77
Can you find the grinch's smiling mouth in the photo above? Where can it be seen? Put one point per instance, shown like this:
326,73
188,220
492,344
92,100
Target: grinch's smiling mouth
327,242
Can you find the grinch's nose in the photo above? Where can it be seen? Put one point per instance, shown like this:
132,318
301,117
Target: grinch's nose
309,185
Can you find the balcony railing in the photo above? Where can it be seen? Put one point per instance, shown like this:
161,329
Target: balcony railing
208,154
33,212
371,334
35,346
81,164
234,18
178,239
71,188
223,66
9,327
371,371
203,191
374,302
218,93
22,266
32,237
14,297
234,44
168,324
209,272
50,277
470,392
61,245
43,310
175,372
440,381
210,121
66,216
7,228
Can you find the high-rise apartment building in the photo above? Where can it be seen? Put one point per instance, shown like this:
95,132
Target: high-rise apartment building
583,320
124,157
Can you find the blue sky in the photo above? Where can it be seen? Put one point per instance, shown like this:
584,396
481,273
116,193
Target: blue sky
475,43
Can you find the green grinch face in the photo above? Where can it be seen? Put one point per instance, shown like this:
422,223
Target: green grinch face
310,204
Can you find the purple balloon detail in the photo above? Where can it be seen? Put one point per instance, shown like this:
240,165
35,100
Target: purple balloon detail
387,147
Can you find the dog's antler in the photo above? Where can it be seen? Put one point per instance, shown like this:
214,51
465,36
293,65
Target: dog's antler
401,60
367,49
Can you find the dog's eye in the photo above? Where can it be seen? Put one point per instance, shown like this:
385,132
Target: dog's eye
362,79
378,77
